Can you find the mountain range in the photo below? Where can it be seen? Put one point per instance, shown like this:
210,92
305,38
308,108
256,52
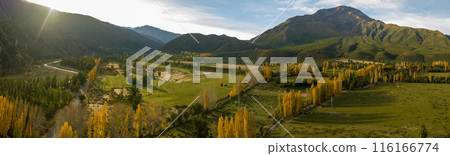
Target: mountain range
155,33
30,32
330,33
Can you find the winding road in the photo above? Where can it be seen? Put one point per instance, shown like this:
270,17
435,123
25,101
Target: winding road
53,67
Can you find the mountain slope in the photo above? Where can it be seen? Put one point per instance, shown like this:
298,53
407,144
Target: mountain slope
208,43
155,33
340,21
26,36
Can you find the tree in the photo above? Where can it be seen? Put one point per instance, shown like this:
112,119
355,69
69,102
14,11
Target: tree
423,131
138,120
155,118
228,131
90,125
315,95
18,118
249,124
121,123
233,92
267,72
292,103
97,123
200,127
237,88
430,78
220,128
134,97
242,126
298,102
66,131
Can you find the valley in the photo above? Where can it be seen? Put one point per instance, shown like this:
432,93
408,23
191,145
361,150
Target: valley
64,75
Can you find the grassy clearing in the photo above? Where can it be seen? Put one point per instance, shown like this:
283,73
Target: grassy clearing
110,82
182,94
381,111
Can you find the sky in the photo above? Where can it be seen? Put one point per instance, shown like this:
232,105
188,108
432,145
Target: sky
246,19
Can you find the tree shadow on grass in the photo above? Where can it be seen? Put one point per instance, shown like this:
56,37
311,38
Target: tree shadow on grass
159,89
364,98
327,118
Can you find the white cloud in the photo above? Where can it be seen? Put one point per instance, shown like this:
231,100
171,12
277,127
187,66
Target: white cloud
132,13
377,4
417,21
371,4
308,10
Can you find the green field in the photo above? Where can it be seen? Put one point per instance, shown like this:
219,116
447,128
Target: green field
172,93
435,74
389,110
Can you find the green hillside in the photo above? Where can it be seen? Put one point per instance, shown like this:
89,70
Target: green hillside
25,36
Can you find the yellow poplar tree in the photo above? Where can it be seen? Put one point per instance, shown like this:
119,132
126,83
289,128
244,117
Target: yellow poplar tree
430,78
242,126
138,121
66,131
220,128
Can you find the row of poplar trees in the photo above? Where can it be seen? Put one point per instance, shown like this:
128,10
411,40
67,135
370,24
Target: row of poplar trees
243,125
148,119
19,119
